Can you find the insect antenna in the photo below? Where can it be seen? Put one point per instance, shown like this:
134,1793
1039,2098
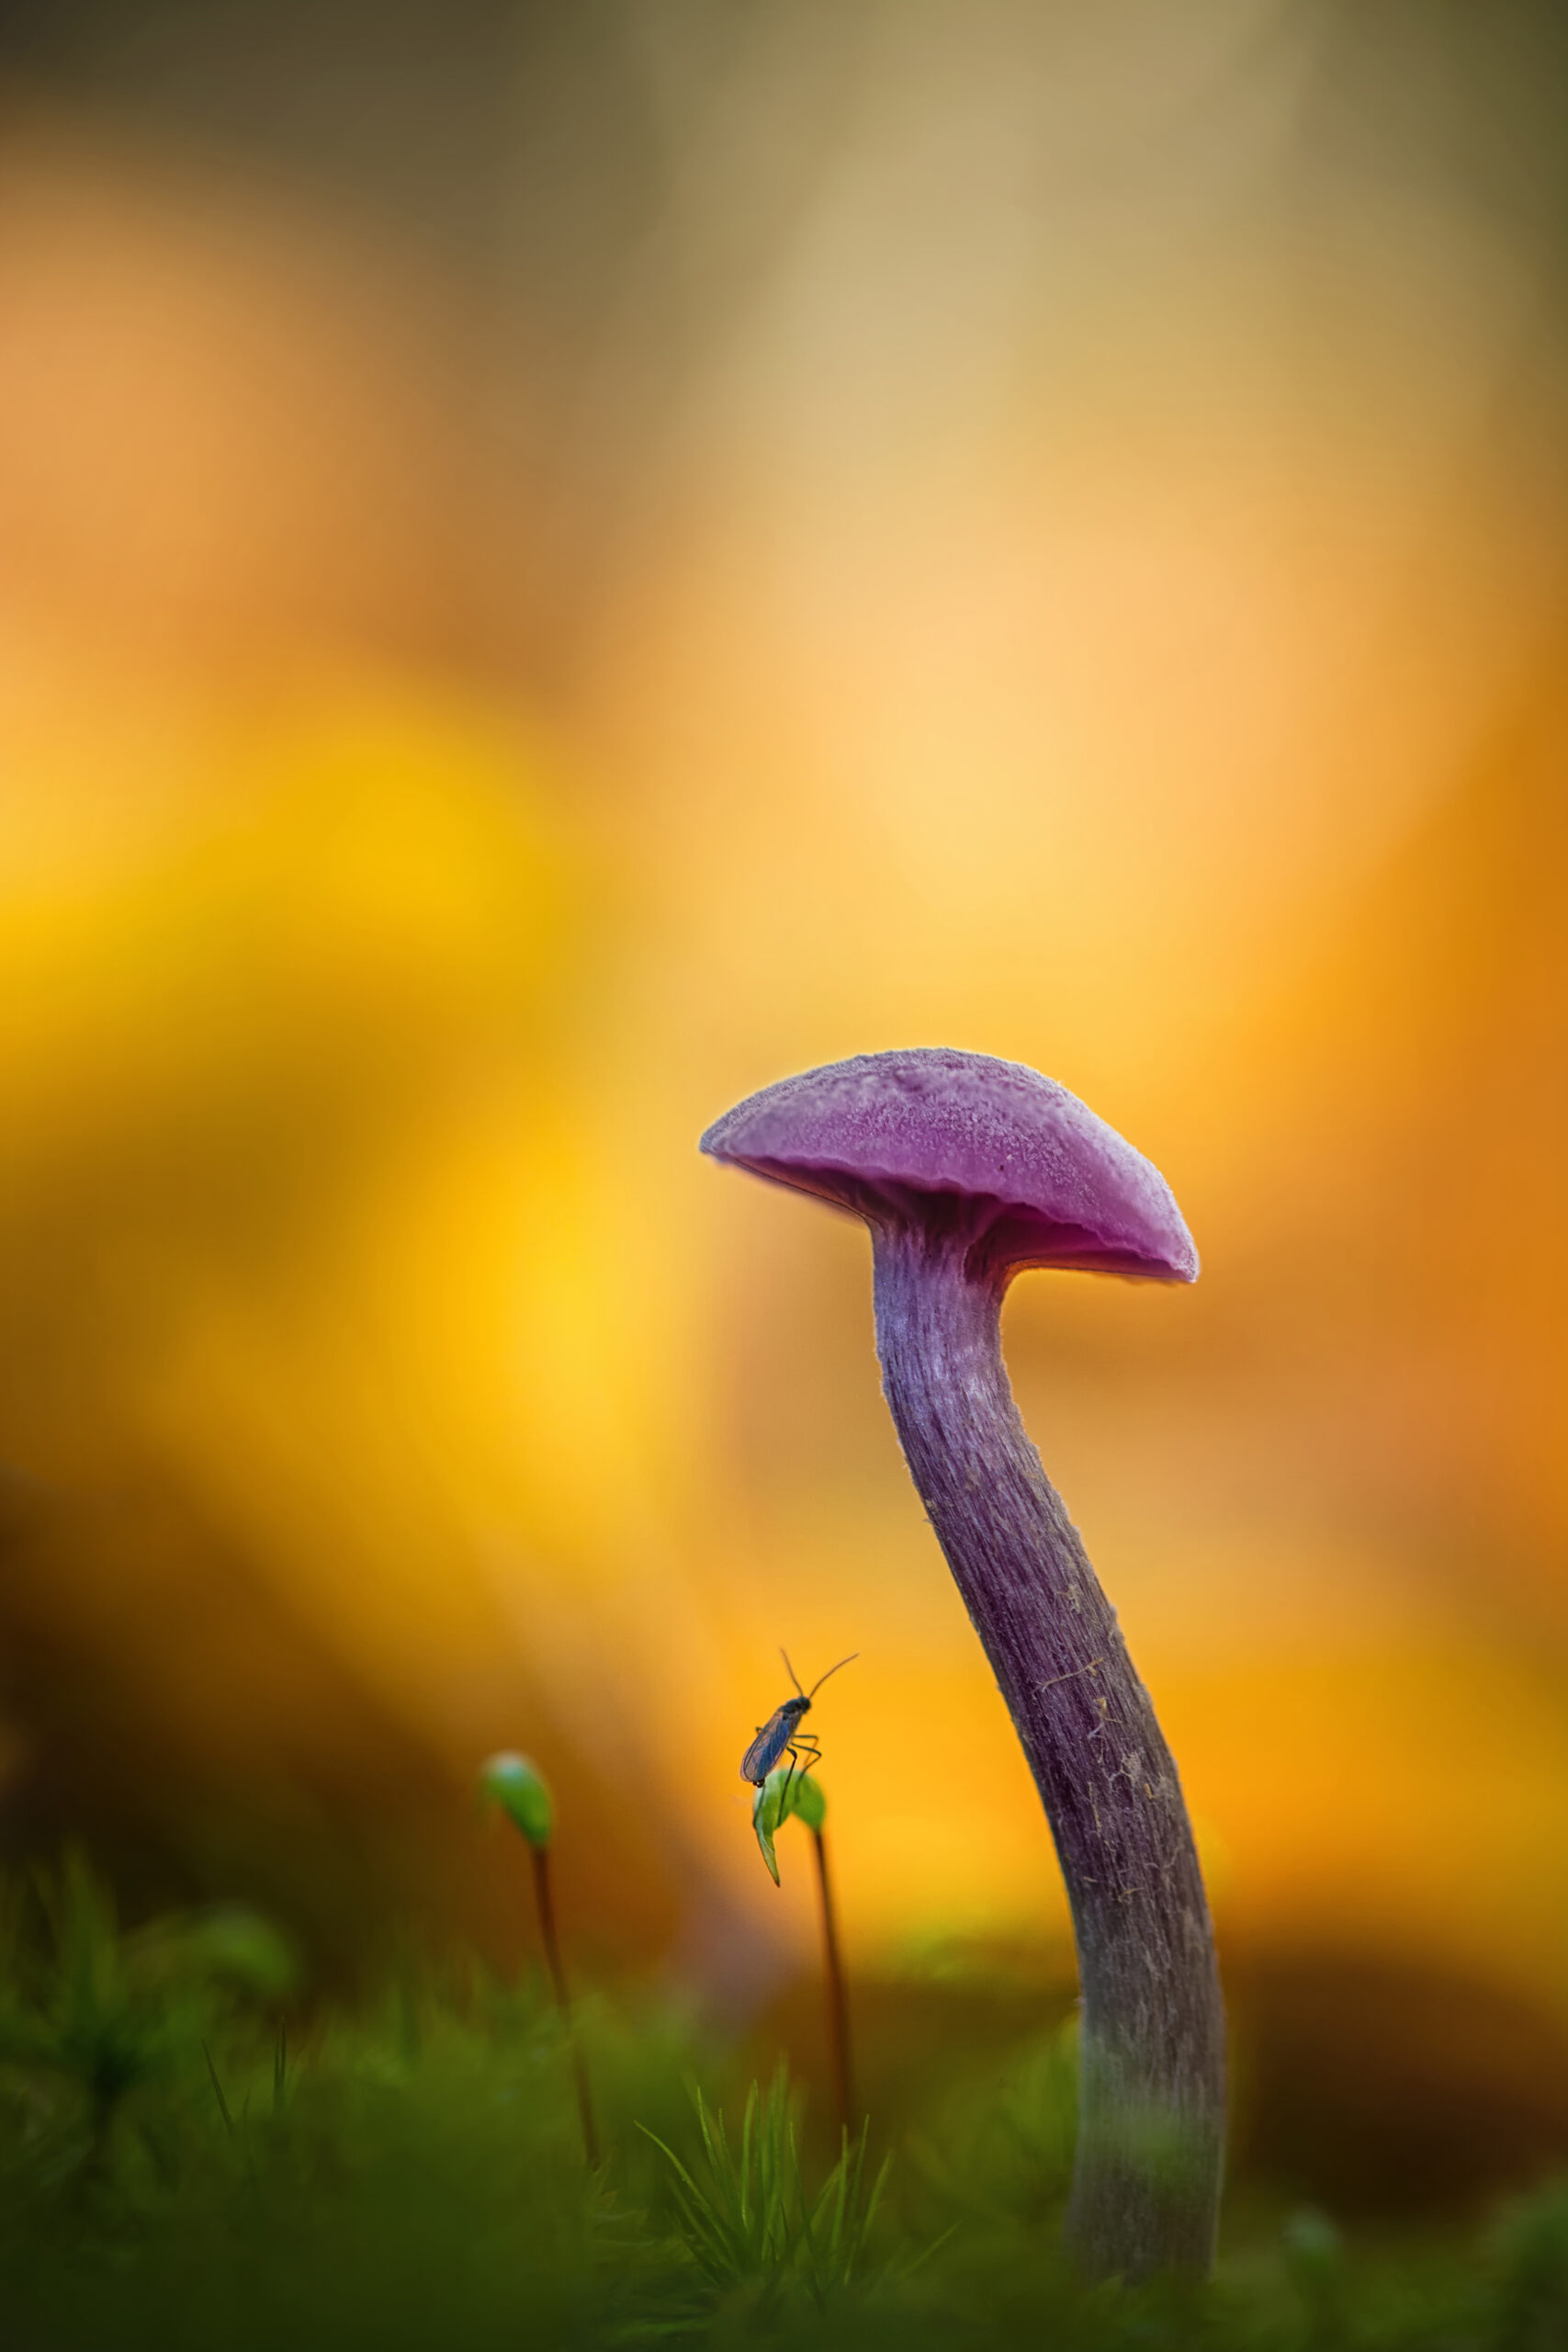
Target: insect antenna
823,1678
790,1671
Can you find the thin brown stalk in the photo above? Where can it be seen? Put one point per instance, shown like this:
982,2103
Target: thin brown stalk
544,1899
838,2000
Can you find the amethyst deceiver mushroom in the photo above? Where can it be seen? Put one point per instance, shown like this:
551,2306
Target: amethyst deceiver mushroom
968,1170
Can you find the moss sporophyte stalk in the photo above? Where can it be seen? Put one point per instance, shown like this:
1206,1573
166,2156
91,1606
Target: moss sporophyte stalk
516,1785
787,1795
968,1170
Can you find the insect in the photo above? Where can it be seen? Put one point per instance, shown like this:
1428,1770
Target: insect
781,1735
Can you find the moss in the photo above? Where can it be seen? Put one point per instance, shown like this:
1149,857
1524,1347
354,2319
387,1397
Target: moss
181,2168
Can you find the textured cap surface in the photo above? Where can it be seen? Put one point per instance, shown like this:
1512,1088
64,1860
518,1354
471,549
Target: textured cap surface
987,1150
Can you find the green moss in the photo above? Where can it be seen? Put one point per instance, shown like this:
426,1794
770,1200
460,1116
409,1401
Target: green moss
178,2169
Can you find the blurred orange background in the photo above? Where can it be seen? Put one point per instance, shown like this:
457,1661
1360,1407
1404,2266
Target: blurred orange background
558,566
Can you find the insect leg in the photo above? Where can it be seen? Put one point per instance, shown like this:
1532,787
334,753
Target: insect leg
807,1742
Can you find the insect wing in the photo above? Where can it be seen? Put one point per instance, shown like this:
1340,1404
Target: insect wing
770,1743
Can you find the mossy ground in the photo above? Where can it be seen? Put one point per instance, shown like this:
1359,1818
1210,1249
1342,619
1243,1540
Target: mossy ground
181,2168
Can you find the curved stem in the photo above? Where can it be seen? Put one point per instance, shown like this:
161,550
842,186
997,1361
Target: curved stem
544,1899
838,2000
1151,2116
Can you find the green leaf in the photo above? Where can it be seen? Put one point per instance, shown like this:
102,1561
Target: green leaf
516,1784
785,1792
765,1821
808,1801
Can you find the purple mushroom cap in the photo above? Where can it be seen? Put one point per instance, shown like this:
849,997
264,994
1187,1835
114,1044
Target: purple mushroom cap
1004,1160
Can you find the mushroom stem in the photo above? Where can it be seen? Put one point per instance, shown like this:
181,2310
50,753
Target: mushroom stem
1151,2110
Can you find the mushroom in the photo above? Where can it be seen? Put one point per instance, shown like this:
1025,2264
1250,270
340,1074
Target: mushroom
968,1170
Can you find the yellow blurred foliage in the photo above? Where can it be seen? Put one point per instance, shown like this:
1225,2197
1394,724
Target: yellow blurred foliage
384,1379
